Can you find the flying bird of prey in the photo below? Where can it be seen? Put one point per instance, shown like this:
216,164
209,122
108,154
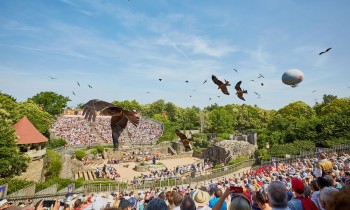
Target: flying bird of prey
325,51
90,86
160,80
221,85
240,92
78,83
119,120
314,91
261,76
235,70
257,94
147,92
252,80
209,99
73,92
184,140
52,77
218,96
186,81
262,84
190,96
204,81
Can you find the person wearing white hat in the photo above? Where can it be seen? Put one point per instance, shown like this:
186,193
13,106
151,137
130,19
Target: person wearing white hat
201,199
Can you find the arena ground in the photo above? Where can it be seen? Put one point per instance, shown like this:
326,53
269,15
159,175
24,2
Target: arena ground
127,173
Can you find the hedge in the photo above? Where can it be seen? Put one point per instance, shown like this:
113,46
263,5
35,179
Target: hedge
15,184
80,154
55,143
53,164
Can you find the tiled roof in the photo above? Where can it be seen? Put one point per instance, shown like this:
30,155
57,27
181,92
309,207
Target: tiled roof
27,133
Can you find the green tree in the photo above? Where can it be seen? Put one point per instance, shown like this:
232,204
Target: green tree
129,105
12,161
40,119
221,121
52,102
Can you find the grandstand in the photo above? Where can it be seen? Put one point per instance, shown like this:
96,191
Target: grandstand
79,132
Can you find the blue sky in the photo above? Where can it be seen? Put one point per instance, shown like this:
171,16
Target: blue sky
121,48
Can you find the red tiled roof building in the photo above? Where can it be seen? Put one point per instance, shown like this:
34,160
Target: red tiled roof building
30,140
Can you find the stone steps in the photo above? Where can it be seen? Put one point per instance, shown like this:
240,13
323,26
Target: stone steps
87,175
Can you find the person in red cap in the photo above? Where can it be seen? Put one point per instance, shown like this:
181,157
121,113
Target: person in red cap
300,202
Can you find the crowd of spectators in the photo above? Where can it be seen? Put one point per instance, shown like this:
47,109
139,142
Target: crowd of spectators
75,130
316,183
148,132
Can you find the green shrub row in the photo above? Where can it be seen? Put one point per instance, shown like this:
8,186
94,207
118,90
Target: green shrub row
53,164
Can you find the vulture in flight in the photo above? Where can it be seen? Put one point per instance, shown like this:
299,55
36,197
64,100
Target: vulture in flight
221,85
184,140
119,120
240,92
325,51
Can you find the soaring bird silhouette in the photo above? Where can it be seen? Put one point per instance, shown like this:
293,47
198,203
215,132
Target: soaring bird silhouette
235,70
90,86
257,94
186,81
325,51
209,99
160,80
73,92
204,81
261,76
252,80
240,92
262,84
221,85
52,77
119,120
184,140
314,91
78,83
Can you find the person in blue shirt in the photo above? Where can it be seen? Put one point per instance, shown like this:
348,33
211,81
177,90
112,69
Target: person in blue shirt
213,201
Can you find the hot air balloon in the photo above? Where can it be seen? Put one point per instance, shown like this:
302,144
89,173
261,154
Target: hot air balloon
292,77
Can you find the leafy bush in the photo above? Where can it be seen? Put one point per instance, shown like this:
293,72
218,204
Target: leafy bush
200,136
223,135
216,166
263,153
15,184
53,164
80,154
294,148
94,152
238,159
56,143
100,149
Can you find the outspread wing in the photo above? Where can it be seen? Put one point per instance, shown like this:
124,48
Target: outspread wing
216,81
132,117
238,86
181,135
328,49
240,95
93,106
224,90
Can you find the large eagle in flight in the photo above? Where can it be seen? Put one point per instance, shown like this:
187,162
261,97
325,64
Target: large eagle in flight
119,120
184,140
222,86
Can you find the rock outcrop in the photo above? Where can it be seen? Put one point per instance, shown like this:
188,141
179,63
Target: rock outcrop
228,150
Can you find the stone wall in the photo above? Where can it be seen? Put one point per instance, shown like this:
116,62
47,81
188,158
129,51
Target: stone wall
228,150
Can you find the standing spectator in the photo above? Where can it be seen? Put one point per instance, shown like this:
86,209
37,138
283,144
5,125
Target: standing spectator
178,197
188,204
326,196
315,193
339,201
300,202
201,198
261,200
277,194
157,203
212,202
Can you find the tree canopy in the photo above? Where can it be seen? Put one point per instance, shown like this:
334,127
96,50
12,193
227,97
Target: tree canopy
51,102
